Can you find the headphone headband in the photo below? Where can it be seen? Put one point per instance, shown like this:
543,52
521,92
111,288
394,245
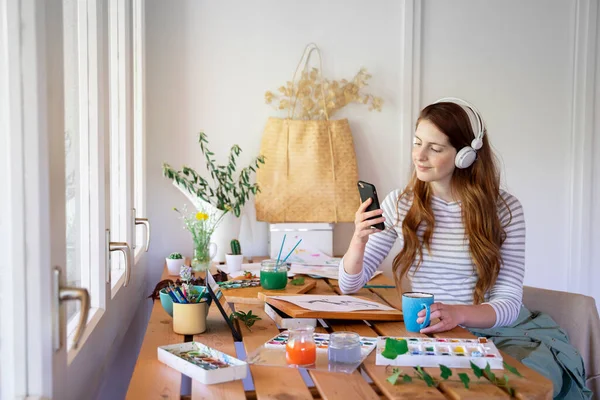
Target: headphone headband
467,155
478,127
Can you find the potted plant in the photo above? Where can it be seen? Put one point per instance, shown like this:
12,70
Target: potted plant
235,258
224,196
174,263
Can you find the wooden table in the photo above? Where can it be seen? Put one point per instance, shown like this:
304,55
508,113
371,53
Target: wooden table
154,380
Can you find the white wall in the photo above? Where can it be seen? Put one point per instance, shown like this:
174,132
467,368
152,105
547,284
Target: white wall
595,217
519,75
209,64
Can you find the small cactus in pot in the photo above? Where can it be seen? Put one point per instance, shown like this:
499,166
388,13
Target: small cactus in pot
236,249
174,263
234,260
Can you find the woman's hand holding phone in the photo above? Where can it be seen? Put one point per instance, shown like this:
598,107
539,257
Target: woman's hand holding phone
362,223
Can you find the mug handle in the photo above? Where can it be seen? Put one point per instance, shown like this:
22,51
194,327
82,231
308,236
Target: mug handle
428,311
212,250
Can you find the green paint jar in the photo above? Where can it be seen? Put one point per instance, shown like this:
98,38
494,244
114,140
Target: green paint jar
273,276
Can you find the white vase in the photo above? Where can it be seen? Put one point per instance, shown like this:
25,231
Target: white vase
234,262
228,229
174,265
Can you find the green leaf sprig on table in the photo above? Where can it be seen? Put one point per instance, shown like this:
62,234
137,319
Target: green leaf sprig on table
247,319
394,348
446,373
297,281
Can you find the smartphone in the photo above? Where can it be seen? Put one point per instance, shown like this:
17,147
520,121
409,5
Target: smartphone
367,190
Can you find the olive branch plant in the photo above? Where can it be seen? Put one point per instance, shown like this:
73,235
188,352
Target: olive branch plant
225,192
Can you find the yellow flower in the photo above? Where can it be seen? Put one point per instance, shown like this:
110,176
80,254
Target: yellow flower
200,216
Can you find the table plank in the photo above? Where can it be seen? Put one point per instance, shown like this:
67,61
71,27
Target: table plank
272,383
151,378
333,385
451,389
478,388
218,336
532,385
417,389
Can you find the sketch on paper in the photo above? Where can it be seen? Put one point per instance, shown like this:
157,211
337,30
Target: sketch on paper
333,303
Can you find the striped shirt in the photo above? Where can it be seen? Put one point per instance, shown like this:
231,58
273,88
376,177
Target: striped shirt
448,272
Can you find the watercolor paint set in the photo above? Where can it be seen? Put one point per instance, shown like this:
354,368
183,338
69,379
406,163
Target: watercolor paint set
279,351
202,363
367,344
451,352
239,283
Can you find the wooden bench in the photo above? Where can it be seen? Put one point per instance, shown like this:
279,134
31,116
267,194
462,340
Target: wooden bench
152,379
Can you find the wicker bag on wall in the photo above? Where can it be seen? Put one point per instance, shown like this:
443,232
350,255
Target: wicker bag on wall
310,170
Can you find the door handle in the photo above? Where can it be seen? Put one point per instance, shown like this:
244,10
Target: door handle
146,223
117,246
124,248
65,293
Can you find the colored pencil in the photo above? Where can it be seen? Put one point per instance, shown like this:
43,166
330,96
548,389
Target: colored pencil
379,286
172,295
180,293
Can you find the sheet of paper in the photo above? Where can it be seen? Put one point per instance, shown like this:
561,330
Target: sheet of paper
320,271
305,254
316,302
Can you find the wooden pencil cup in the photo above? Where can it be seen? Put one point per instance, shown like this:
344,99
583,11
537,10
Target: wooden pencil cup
190,319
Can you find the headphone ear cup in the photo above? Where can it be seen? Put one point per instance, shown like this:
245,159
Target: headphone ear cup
477,143
465,157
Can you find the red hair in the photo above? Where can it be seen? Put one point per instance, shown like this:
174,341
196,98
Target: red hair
478,189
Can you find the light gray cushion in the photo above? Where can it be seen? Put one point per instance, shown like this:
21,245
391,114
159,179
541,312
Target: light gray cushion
578,316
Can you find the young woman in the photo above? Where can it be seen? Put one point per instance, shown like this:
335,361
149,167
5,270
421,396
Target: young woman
463,238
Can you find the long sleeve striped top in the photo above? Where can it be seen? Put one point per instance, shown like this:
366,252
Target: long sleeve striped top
448,272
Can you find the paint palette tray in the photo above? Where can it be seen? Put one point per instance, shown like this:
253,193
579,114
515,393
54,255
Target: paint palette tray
273,353
453,353
239,283
202,363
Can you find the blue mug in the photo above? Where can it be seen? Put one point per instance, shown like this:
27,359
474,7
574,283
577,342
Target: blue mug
412,304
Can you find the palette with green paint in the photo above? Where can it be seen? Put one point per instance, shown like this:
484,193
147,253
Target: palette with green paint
432,352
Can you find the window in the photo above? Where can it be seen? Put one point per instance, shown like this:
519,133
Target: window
76,155
138,126
55,134
121,128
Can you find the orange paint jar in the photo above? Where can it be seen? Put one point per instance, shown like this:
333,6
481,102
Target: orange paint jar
300,349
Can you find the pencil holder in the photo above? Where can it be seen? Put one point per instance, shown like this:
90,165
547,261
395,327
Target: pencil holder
190,319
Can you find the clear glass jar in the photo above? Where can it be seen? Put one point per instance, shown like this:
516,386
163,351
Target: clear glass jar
344,348
273,276
300,349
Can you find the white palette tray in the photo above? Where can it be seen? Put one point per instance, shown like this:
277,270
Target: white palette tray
202,363
432,352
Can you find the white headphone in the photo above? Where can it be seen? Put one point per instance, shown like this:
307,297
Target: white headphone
467,155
